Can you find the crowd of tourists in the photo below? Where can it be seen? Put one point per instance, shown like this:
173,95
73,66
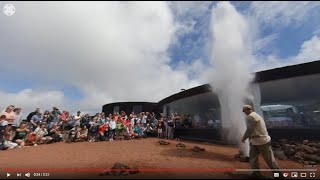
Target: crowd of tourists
61,126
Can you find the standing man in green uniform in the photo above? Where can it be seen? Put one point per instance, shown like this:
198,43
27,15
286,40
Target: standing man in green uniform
260,142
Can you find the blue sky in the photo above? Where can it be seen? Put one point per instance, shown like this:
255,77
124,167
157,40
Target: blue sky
138,51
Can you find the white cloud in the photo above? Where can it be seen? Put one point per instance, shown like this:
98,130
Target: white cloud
309,51
110,51
283,13
191,8
187,14
30,99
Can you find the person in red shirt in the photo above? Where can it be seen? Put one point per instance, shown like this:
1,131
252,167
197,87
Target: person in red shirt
103,132
127,122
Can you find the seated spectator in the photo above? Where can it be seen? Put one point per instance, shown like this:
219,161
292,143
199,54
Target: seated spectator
93,130
148,130
8,144
74,134
103,133
55,133
85,121
138,130
131,133
127,121
120,127
83,133
3,124
46,116
21,134
41,134
36,120
54,117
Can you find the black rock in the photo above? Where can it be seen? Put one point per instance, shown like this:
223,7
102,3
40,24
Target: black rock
289,152
305,142
307,149
125,173
293,143
283,141
312,163
297,158
278,153
309,157
312,144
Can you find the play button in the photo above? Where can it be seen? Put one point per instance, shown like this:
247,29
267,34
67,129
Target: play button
8,174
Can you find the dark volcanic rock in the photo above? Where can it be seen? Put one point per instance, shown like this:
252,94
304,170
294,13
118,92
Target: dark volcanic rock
309,157
312,163
197,149
278,153
307,149
305,142
297,158
293,143
312,144
275,145
120,169
164,143
289,152
283,141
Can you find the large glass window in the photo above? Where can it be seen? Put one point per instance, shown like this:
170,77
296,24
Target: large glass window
137,109
290,103
203,109
293,102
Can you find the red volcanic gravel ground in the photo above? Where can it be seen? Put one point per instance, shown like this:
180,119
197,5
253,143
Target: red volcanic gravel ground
59,159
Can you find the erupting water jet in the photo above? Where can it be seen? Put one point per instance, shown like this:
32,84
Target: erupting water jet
231,78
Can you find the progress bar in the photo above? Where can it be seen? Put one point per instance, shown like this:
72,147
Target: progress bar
305,170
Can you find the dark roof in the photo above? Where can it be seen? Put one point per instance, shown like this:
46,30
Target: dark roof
262,76
187,93
117,103
288,71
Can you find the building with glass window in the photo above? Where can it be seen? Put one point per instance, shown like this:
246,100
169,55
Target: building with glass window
288,98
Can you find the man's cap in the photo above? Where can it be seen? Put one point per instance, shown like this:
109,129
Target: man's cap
78,112
247,107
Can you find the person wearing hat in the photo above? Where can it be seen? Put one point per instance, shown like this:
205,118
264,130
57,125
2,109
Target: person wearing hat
260,141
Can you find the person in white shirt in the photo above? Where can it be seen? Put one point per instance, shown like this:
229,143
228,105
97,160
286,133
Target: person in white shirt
41,133
210,123
144,119
112,126
77,118
260,141
18,117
